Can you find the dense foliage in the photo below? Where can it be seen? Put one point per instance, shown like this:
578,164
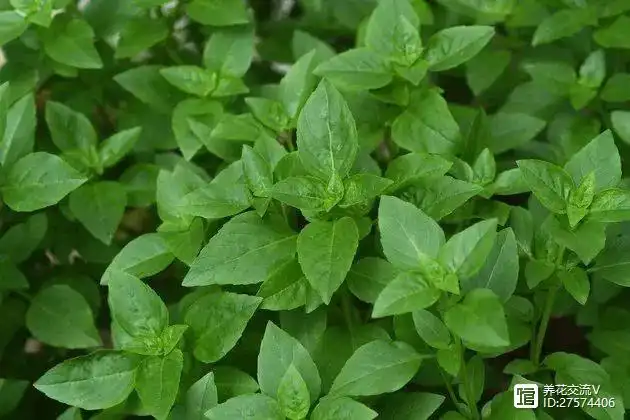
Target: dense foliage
313,209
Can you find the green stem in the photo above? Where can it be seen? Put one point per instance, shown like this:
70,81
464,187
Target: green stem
346,308
451,392
544,323
470,400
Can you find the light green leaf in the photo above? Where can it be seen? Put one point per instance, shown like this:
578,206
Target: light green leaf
410,406
479,320
148,85
587,240
483,70
383,29
549,183
296,86
413,167
230,50
356,69
293,395
427,126
609,206
466,252
286,288
453,46
325,252
342,408
140,34
278,352
12,25
614,35
39,180
218,12
576,282
244,251
408,292
97,381
326,134
512,130
500,270
257,172
369,276
600,156
269,112
439,197
144,256
157,382
407,233
69,129
562,24
431,329
616,89
362,188
117,146
191,79
143,316
71,41
377,367
201,397
247,407
61,317
218,321
232,382
100,208
19,131
305,193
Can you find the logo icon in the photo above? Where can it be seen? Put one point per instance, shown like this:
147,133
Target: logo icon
526,396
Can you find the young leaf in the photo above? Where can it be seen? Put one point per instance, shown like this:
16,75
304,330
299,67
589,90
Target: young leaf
278,353
157,382
100,208
383,30
609,206
244,251
576,282
61,317
191,79
116,147
144,256
39,180
466,252
600,156
306,193
230,50
97,381
479,320
253,406
326,134
201,397
143,316
325,252
293,395
549,183
218,321
342,408
408,292
377,367
406,233
431,329
453,46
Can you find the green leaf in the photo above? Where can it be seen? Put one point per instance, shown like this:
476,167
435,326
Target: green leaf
61,317
410,406
614,35
549,183
431,329
413,167
100,208
12,25
562,24
71,41
296,86
218,321
512,130
157,382
377,367
483,70
408,292
11,392
326,134
269,112
293,395
218,12
453,46
144,256
143,316
587,240
472,390
21,240
599,156
19,132
69,129
616,90
342,408
39,180
230,50
479,320
117,146
325,252
369,276
257,171
500,270
201,397
576,282
140,34
148,85
11,277
244,251
427,126
407,233
191,79
232,382
466,252
97,381
286,288
306,193
383,33
362,188
439,197
279,352
247,407
609,206
356,69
